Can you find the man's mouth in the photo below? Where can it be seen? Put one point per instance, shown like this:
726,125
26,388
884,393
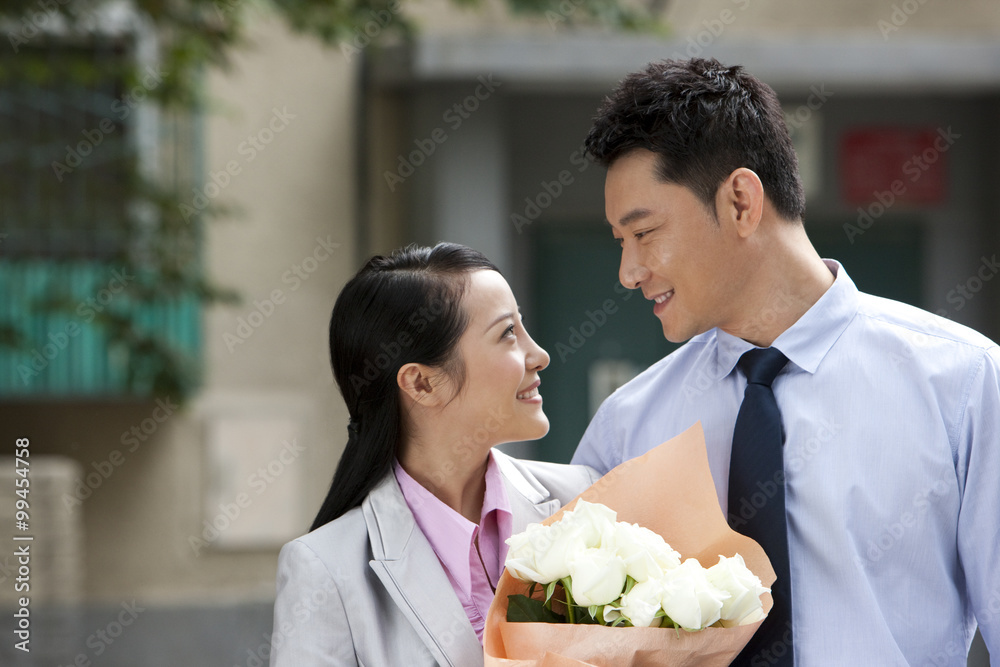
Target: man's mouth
662,298
660,301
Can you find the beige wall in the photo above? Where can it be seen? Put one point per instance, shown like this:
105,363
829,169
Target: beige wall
299,187
748,17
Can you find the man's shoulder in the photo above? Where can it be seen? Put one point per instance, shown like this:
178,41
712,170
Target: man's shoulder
917,326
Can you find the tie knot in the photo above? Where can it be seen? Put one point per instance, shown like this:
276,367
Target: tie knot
762,365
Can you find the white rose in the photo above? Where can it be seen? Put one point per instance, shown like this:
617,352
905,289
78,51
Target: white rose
732,576
523,549
543,553
688,597
645,553
595,521
598,576
639,606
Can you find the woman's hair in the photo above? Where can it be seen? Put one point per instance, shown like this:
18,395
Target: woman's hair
400,309
703,120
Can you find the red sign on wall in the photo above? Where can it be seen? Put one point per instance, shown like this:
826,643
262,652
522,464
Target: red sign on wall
895,164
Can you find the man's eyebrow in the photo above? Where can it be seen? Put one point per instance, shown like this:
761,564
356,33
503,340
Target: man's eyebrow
632,216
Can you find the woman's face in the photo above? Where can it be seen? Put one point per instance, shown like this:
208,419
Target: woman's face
499,400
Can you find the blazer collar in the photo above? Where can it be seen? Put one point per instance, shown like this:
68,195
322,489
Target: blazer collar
409,569
530,502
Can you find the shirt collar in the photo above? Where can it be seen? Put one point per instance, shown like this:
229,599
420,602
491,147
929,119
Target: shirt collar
806,342
447,529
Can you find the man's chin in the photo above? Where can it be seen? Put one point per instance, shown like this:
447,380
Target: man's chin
676,334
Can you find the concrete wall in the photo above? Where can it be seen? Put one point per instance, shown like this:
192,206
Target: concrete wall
279,143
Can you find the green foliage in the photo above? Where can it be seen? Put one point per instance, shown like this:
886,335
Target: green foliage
522,609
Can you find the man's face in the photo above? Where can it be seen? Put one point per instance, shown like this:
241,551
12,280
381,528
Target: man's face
672,248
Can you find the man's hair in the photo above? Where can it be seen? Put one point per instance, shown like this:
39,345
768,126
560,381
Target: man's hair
703,120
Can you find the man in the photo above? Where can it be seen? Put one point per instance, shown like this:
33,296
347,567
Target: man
886,418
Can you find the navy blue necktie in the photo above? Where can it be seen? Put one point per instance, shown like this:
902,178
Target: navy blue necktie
757,498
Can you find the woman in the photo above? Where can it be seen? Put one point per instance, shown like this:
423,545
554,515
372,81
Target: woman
436,368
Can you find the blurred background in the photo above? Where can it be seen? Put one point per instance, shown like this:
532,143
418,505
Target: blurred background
184,187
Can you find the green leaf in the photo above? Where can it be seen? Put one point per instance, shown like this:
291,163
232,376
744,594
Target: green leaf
522,609
550,588
584,616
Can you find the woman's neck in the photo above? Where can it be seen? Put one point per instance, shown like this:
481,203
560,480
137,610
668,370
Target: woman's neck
454,475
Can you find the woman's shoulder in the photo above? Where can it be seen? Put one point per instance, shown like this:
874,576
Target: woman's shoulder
341,543
557,479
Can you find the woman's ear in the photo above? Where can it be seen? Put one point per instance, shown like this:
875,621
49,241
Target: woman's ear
740,201
422,384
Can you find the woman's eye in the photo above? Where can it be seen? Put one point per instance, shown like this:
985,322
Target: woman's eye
509,331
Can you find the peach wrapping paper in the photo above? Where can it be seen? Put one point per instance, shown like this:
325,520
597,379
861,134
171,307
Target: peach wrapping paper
670,491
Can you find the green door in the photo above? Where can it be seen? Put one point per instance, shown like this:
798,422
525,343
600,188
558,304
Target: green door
597,333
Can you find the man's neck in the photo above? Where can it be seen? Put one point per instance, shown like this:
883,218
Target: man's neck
790,278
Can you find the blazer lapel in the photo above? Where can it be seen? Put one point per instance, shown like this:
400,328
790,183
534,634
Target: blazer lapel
530,502
407,566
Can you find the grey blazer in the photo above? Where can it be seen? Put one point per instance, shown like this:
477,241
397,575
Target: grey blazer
368,590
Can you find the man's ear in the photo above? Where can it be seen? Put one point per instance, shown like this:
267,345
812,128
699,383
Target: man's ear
422,384
739,201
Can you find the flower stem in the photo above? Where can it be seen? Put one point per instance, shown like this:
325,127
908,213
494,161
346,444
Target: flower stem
569,600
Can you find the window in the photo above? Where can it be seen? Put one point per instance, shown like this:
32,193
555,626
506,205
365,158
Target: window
82,240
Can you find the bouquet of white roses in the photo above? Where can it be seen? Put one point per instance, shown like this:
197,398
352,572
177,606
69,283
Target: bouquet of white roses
616,573
605,590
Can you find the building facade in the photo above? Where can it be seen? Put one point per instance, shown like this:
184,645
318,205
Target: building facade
470,133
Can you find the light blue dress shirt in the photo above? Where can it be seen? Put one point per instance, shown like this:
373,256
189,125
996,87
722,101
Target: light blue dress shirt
892,470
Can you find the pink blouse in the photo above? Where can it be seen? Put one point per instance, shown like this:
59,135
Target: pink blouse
472,555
